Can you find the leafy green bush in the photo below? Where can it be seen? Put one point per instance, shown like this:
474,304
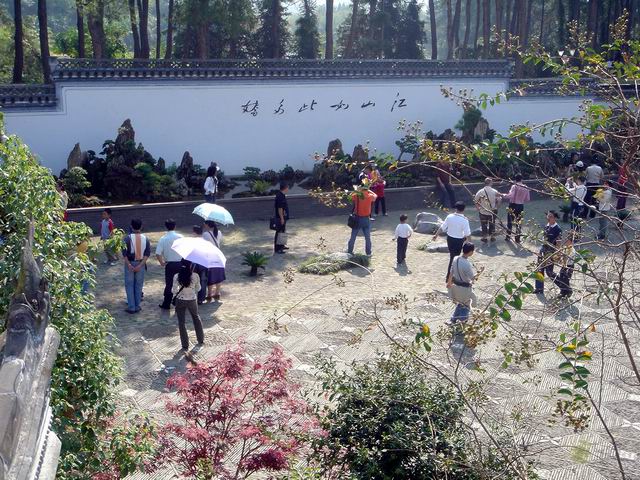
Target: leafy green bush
326,264
270,176
251,173
255,260
260,187
388,420
76,185
87,371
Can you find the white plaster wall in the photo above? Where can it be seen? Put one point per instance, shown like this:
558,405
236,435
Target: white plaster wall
208,121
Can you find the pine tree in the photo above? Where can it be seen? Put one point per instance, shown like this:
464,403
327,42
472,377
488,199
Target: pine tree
272,36
240,20
307,35
412,36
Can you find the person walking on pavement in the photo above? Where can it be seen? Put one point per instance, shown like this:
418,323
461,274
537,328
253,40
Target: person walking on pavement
486,201
457,228
136,253
186,285
282,216
577,192
552,234
460,284
518,195
568,256
363,201
169,259
402,234
215,275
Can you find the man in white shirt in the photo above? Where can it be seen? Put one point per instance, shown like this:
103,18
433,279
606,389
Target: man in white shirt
169,259
577,192
605,208
402,234
486,201
595,177
457,228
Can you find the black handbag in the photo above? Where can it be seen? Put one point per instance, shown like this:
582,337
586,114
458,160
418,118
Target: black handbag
352,221
175,297
274,223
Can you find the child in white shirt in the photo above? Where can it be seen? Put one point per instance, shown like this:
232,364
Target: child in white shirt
402,234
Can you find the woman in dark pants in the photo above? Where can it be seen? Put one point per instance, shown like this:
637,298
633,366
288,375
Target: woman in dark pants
186,286
281,215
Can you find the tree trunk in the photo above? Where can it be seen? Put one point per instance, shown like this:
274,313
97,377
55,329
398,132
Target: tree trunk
449,30
522,23
275,30
574,11
456,26
95,23
477,30
499,13
169,47
80,27
592,22
143,11
467,29
562,40
513,25
18,60
541,40
158,29
527,31
134,29
348,51
486,26
43,34
328,48
434,33
507,16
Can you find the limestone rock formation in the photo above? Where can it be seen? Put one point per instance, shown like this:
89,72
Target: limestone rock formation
439,247
77,157
335,148
185,170
360,155
427,223
126,133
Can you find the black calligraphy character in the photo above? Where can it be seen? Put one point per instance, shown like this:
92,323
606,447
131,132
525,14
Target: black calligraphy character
399,102
250,107
368,104
280,109
307,107
340,106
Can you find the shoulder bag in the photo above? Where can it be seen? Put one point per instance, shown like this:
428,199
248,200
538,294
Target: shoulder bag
352,221
175,297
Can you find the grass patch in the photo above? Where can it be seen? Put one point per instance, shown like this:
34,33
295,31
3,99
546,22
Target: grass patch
327,264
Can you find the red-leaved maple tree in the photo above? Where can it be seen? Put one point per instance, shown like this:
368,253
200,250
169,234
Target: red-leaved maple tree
237,416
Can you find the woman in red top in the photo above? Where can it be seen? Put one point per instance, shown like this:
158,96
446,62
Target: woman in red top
378,189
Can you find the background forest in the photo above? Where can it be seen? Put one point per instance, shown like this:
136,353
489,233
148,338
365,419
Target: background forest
32,30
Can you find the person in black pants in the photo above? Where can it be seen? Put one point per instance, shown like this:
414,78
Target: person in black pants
567,261
457,228
403,232
282,215
169,259
552,233
200,271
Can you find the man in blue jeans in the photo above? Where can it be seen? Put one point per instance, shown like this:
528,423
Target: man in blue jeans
363,201
136,253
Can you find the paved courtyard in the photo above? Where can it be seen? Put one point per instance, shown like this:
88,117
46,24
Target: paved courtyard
316,315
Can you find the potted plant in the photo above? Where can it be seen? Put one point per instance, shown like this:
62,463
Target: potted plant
255,260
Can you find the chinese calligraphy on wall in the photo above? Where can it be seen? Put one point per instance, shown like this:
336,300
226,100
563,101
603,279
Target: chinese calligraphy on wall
253,107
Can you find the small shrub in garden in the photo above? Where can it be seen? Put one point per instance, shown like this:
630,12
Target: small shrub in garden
387,420
326,264
260,187
270,176
287,173
236,417
251,173
255,260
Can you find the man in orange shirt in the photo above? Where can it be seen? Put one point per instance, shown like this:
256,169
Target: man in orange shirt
363,201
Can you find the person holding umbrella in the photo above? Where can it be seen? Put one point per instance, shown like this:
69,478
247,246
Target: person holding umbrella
185,290
215,275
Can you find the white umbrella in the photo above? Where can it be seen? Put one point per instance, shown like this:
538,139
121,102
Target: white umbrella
198,250
216,213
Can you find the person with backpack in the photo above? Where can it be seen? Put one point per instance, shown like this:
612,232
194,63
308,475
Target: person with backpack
486,201
136,253
186,286
215,275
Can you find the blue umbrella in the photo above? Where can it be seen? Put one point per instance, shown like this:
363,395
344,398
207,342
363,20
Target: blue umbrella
216,213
